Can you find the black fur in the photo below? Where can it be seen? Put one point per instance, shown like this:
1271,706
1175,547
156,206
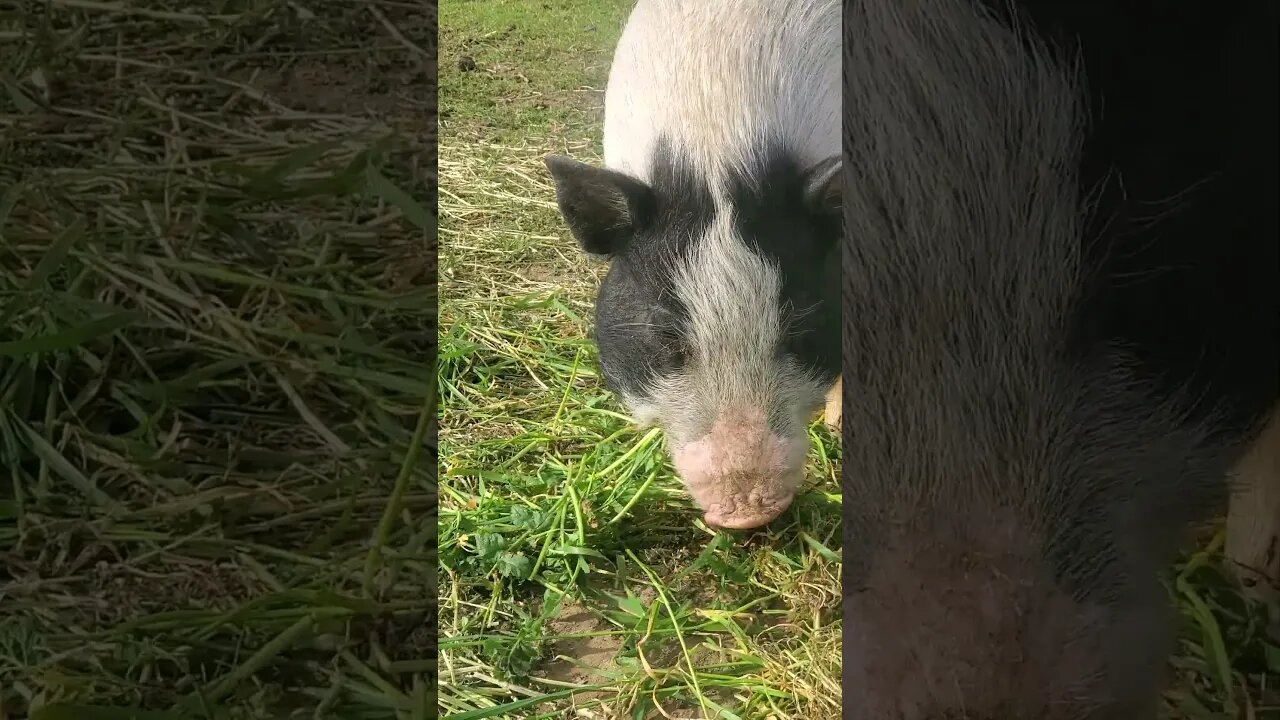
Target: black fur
600,206
1181,156
1043,384
639,320
791,216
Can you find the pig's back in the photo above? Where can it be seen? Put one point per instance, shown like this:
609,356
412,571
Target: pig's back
722,81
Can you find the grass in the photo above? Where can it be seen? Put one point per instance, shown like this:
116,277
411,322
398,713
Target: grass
575,573
217,334
1227,660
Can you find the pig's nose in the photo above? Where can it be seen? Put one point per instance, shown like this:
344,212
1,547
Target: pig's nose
744,516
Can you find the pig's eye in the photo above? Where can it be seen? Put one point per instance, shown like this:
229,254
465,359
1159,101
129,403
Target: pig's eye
673,351
682,354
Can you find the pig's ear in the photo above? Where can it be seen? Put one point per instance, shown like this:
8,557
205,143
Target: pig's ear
601,207
822,186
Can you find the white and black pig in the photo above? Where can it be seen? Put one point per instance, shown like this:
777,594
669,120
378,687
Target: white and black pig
718,208
1060,306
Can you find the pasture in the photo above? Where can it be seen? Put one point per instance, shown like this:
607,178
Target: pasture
217,331
575,573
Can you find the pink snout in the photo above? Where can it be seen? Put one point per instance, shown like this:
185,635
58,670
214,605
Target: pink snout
742,474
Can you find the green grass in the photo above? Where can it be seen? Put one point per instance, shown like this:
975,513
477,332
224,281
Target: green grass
1227,660
575,573
217,332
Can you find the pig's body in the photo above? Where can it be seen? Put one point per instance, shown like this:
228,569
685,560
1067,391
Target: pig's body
1060,305
718,320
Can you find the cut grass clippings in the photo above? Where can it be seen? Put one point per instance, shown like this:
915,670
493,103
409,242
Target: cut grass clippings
217,344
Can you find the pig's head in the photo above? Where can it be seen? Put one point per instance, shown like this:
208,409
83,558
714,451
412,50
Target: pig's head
718,320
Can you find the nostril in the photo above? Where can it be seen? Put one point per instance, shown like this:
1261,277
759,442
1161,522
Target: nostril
727,507
737,522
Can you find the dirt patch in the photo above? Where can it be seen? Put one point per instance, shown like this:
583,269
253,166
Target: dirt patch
542,274
382,62
323,87
590,654
588,660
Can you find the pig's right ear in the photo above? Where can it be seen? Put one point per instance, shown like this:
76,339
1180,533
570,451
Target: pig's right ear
601,207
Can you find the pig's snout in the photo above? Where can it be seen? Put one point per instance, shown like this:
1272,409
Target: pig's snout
753,511
741,473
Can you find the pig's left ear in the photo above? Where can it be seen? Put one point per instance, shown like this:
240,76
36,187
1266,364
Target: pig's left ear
602,207
822,186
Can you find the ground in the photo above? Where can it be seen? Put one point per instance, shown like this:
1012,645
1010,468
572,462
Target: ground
574,576
217,334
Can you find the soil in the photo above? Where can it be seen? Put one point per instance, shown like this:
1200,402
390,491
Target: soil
579,659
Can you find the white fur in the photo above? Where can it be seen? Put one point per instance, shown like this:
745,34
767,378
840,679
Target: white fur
717,76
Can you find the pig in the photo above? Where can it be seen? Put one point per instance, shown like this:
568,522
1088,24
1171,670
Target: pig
1059,311
717,210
